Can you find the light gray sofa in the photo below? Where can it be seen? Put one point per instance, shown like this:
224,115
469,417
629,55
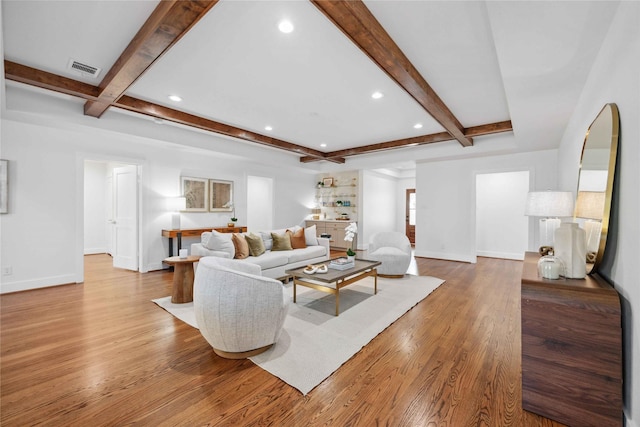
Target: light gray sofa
272,263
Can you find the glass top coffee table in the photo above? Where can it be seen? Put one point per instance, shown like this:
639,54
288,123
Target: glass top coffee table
334,280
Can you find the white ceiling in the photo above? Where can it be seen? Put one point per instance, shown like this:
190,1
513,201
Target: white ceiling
488,61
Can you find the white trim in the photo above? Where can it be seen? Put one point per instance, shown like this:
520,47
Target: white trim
45,282
501,255
446,256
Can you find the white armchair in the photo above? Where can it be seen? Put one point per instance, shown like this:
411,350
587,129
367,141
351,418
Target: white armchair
239,312
393,250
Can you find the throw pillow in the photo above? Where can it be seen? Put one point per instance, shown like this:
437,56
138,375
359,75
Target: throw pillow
267,240
281,243
241,246
256,246
297,239
310,236
221,242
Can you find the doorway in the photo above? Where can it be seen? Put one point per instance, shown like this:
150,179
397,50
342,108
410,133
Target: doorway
501,227
410,215
111,212
259,203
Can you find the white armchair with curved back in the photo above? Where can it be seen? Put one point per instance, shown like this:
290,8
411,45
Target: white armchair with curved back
239,312
393,250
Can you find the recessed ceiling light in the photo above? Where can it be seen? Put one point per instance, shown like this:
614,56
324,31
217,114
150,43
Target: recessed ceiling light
417,125
285,26
323,145
268,128
377,95
175,98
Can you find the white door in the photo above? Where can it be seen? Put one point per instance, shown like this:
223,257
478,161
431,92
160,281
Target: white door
125,196
109,214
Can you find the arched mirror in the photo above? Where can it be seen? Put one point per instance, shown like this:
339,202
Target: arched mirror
595,182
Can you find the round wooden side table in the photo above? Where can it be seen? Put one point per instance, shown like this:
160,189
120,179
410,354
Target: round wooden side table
182,278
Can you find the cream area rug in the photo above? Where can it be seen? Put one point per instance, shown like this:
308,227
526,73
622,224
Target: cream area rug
314,342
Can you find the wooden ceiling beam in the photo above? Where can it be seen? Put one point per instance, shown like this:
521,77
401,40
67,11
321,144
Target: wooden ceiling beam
355,20
487,129
42,79
170,20
45,80
154,110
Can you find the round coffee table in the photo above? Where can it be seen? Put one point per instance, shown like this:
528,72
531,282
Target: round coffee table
182,278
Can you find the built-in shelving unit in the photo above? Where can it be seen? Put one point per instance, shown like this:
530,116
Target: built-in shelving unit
338,199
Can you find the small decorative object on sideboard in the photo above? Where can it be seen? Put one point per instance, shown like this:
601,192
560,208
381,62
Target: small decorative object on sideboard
571,248
550,267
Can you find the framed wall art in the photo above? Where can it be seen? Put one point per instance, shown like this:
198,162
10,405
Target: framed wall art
327,182
196,193
220,195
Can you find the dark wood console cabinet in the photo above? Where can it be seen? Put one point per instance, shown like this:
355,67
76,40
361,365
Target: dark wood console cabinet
571,348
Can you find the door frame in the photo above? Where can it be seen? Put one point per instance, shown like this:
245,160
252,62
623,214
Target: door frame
472,218
79,193
406,216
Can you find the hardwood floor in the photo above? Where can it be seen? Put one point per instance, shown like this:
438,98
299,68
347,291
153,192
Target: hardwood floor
102,353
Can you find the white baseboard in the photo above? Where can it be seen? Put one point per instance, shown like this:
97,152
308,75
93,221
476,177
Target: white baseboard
154,266
44,282
93,251
503,255
445,256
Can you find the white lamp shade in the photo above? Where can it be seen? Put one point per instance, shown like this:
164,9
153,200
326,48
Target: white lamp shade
590,204
549,204
176,204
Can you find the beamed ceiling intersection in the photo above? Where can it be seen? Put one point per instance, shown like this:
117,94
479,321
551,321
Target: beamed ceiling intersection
173,19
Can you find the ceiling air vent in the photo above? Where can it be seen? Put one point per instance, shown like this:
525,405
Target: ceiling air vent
84,69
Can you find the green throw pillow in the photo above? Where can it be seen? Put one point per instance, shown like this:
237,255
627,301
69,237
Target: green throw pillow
281,243
256,246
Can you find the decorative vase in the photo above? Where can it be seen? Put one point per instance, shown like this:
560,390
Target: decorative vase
571,247
550,267
351,258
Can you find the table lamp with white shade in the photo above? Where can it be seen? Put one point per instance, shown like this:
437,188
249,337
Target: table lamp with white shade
175,205
590,206
550,206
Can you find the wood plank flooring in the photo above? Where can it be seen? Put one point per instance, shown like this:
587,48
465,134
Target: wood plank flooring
102,353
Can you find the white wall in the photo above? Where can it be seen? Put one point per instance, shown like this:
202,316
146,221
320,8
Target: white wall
446,212
95,218
615,78
379,206
501,226
46,187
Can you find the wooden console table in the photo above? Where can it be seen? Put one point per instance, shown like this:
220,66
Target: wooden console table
196,232
571,348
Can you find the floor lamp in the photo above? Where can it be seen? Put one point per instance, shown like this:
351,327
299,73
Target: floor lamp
550,206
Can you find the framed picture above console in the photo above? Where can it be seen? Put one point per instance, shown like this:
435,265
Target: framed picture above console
196,193
220,195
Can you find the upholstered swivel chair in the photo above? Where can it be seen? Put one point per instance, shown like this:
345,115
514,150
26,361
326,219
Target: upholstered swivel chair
393,250
239,312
